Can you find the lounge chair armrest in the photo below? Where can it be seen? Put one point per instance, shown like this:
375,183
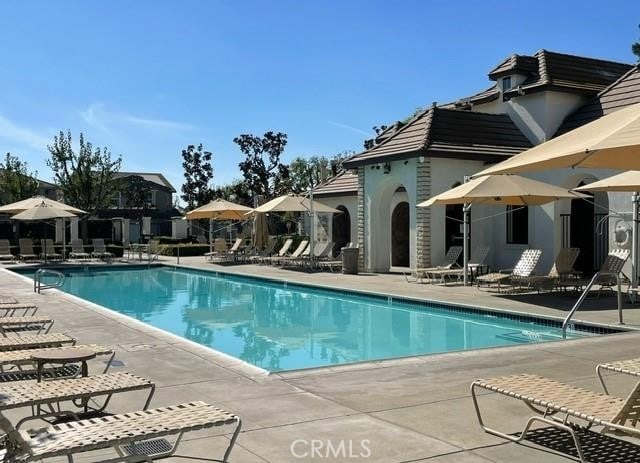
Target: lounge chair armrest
505,270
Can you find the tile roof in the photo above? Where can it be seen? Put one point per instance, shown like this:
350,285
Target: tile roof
152,177
445,132
345,183
559,71
624,92
485,96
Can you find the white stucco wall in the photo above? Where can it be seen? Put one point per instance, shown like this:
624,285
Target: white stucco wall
350,203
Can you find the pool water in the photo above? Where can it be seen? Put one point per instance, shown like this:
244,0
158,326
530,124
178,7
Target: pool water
278,327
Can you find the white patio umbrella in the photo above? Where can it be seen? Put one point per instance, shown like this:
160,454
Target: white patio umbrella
218,209
44,211
512,190
298,203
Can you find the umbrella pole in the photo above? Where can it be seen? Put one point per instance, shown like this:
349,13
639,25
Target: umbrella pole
210,235
634,242
466,210
64,238
313,229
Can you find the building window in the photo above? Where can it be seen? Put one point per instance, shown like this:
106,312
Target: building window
506,83
151,198
116,200
517,225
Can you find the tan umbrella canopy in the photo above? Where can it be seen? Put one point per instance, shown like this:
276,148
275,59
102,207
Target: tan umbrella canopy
45,211
295,203
36,201
502,189
498,189
218,209
626,181
610,142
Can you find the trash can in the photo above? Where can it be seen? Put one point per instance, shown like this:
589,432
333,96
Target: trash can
350,261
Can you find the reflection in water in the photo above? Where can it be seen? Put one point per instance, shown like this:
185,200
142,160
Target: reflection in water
282,329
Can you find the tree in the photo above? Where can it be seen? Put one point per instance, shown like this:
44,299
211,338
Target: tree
306,173
236,192
16,182
262,170
86,178
635,49
198,174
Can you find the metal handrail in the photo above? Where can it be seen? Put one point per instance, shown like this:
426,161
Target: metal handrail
37,279
583,296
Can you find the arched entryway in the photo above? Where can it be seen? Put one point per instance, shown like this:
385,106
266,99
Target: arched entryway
340,229
400,235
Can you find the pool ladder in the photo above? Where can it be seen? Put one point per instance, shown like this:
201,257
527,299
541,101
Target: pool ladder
37,279
583,296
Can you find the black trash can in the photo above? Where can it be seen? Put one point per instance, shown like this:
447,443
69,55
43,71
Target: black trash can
350,261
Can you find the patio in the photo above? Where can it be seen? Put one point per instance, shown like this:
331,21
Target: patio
410,410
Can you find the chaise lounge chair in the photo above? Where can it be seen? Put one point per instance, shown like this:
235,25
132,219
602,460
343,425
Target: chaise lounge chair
33,324
523,270
560,405
77,250
281,253
9,309
608,275
131,435
5,251
476,264
46,399
219,250
26,249
561,270
100,250
48,250
294,256
450,260
13,341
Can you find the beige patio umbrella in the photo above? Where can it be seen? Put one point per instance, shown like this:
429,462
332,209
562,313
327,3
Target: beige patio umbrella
299,203
218,209
294,203
260,230
610,142
37,201
44,211
512,190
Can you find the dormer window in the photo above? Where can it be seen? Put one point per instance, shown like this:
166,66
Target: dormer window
506,83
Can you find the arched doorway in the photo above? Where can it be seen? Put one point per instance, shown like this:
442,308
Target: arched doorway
340,229
400,235
582,232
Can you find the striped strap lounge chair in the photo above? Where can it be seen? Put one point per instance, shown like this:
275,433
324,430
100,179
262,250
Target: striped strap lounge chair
15,341
32,324
77,250
475,265
562,269
450,260
561,406
626,367
523,269
10,309
281,253
48,246
62,398
100,250
609,271
5,251
295,255
131,435
219,250
321,250
26,249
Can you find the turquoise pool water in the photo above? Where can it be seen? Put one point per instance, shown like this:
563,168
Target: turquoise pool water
283,328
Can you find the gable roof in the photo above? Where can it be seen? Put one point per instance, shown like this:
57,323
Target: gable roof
345,183
622,93
152,177
445,132
558,71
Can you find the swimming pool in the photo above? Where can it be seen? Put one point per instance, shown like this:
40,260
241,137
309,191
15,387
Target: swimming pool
281,327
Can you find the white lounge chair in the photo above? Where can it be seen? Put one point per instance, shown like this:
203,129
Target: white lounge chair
519,274
5,251
26,249
48,250
450,260
100,250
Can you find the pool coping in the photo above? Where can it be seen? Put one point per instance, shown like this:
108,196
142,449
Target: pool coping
252,370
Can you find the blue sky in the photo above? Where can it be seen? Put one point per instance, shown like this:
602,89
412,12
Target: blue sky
146,78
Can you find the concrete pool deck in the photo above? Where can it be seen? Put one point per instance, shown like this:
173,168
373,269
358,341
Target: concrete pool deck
409,410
